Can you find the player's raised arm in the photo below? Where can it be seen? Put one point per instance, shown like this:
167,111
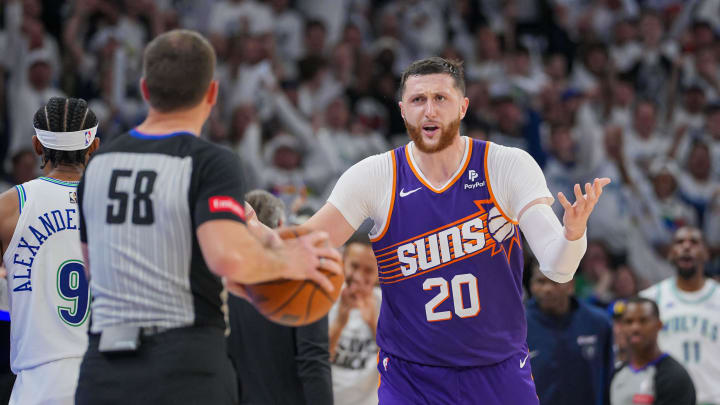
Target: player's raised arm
559,248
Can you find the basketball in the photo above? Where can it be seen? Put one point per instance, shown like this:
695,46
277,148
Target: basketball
294,302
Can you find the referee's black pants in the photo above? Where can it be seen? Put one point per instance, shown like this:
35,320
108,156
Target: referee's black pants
178,366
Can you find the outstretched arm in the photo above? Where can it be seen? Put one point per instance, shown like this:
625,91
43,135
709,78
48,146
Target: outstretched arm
559,248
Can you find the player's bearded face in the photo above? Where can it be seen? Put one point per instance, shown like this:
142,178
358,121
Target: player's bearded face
447,133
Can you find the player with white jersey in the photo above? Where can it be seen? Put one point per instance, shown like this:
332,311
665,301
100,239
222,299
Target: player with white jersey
48,290
690,311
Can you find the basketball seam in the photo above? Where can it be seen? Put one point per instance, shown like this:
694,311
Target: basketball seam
284,304
309,304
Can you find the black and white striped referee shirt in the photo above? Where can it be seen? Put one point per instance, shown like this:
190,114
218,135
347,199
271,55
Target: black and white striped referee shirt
142,198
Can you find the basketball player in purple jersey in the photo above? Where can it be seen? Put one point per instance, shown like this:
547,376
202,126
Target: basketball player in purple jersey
447,214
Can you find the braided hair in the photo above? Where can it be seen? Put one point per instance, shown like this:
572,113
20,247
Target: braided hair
64,115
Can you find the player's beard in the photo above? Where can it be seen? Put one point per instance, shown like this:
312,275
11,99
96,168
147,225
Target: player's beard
686,273
447,135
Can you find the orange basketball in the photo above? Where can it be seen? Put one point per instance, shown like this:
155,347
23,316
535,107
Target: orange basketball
294,302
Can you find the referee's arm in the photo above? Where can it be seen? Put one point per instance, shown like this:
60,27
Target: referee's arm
313,362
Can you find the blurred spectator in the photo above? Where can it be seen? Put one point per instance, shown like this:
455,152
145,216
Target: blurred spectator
570,342
277,364
649,376
353,323
24,168
689,305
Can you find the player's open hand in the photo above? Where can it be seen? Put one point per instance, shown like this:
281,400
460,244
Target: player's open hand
577,213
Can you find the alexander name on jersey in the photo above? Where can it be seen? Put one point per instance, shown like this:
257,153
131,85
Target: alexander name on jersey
34,236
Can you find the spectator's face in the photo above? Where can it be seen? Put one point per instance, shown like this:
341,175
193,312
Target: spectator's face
556,67
337,114
25,169
623,93
279,5
694,100
641,326
353,36
624,32
315,40
703,36
712,124
624,285
613,142
287,158
39,75
651,30
361,272
509,117
488,44
553,298
644,120
597,61
699,162
253,51
343,58
664,185
432,108
596,257
32,8
563,145
688,252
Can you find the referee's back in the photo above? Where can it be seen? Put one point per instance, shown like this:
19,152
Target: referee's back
147,201
142,200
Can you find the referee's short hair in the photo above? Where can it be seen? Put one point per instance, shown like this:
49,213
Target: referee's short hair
178,67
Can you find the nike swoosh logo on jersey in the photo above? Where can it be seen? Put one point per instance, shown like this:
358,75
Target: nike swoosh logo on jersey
404,194
523,361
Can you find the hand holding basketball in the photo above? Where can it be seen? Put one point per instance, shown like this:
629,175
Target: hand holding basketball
310,286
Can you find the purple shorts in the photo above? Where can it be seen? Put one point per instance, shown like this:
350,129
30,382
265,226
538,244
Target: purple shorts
504,383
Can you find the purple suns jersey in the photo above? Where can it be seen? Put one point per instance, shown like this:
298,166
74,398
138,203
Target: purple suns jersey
450,268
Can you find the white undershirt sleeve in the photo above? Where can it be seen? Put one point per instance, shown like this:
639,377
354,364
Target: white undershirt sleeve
364,191
517,180
558,257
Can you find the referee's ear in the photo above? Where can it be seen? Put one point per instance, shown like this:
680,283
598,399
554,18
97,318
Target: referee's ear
144,90
212,92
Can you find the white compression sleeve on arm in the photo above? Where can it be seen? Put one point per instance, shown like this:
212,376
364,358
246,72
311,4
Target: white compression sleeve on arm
558,257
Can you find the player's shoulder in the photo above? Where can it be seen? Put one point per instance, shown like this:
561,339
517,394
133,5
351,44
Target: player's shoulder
654,292
509,158
375,165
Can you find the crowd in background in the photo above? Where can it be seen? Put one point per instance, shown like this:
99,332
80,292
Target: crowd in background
626,89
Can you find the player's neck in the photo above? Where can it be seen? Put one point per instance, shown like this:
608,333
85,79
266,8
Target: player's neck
696,283
160,123
438,167
641,359
64,172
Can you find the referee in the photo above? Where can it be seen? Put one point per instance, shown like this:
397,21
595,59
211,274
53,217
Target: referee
162,221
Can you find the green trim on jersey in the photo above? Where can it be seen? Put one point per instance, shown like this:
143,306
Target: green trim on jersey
676,293
61,182
22,197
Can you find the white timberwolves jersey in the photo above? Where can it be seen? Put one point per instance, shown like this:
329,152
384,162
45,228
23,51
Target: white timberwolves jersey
691,332
49,295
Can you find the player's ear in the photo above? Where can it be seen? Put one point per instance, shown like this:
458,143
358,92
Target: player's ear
464,107
92,148
144,89
402,113
37,146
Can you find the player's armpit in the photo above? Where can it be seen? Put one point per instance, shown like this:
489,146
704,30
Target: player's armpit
9,214
332,221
